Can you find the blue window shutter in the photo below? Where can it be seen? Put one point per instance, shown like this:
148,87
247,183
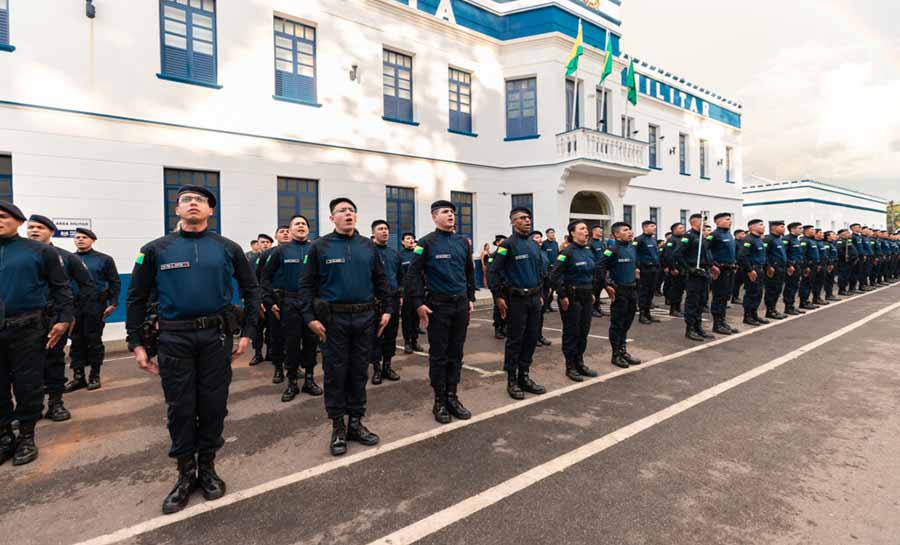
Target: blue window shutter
401,213
295,60
188,40
397,74
299,196
4,26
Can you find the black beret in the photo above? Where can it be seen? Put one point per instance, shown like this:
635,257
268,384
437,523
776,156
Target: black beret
572,225
200,191
339,200
721,215
598,226
437,205
695,217
86,232
408,234
535,232
645,223
550,229
498,238
852,225
12,210
754,222
265,236
376,223
829,233
674,225
43,220
519,209
842,231
776,223
794,225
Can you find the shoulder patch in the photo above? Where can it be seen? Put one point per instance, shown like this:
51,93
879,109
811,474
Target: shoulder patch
685,240
765,244
607,253
418,250
305,259
785,242
139,259
560,257
635,243
747,245
802,244
502,251
710,237
669,244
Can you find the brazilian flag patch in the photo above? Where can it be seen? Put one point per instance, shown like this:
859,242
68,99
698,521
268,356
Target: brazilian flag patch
419,250
635,243
765,244
139,259
560,257
669,244
607,253
685,240
305,259
709,237
747,245
502,251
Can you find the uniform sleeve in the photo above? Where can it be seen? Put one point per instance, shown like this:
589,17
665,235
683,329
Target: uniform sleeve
398,261
680,255
82,276
770,250
380,287
143,280
414,286
309,286
111,275
470,275
604,260
558,270
267,272
58,282
743,256
249,289
497,281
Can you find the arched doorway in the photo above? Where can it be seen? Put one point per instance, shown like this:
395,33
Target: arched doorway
592,207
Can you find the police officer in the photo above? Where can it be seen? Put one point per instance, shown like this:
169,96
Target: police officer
87,336
191,271
261,338
385,346
830,263
254,251
275,340
280,282
752,259
821,268
32,277
598,244
874,243
811,267
776,267
574,276
342,280
847,256
41,229
499,321
739,276
516,280
441,284
546,290
551,250
723,252
675,276
794,270
620,260
860,276
409,317
697,278
648,261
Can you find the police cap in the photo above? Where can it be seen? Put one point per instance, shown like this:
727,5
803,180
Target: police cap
437,205
200,191
339,200
43,220
86,232
12,210
265,236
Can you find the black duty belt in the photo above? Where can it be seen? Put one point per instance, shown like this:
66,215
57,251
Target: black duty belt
204,322
648,266
588,288
619,286
351,308
524,292
22,320
292,295
728,266
447,297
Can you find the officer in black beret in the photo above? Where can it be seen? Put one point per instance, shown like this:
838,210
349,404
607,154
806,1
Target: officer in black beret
776,267
725,257
499,321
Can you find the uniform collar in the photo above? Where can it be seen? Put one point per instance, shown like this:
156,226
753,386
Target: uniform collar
192,234
10,240
444,233
346,237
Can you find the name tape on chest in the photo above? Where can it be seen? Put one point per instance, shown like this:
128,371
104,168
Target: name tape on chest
442,256
179,265
521,256
292,260
335,261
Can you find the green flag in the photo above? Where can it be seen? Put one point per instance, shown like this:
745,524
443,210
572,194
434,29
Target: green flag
630,84
607,62
577,52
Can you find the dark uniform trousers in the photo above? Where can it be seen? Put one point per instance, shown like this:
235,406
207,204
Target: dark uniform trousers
621,313
854,276
55,368
300,341
22,359
410,322
261,333
385,347
697,288
791,286
499,322
345,361
523,329
276,338
647,287
828,281
844,270
87,337
675,289
576,324
195,368
774,286
753,293
447,325
739,278
722,288
818,281
806,284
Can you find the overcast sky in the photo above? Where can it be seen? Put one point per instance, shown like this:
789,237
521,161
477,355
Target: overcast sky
819,79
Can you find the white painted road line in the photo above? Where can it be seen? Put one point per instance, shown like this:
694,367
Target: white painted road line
482,372
436,522
309,473
553,329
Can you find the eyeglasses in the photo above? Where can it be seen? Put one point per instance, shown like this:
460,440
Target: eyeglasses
345,210
187,199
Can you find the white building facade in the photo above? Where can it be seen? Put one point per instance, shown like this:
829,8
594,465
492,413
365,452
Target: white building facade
278,106
810,202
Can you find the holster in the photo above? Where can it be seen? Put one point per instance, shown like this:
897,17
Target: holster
322,310
150,331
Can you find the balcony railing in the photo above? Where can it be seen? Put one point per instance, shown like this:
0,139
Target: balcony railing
601,146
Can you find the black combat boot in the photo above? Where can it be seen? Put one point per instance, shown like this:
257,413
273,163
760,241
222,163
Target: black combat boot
618,358
309,384
454,405
584,370
690,333
291,391
417,347
808,306
94,380
77,383
388,372
736,301
212,485
544,341
819,301
7,444
498,333
761,320
187,483
791,311
702,332
629,358
653,319
750,319
256,359
529,386
439,410
278,377
376,373
26,450
359,433
644,317
831,298
773,314
512,386
407,348
675,310
572,372
56,411
720,327
338,445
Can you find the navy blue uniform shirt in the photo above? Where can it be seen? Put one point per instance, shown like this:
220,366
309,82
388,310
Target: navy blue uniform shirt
795,253
442,264
282,270
576,266
776,252
551,249
393,266
103,271
647,251
722,246
80,281
620,261
33,276
753,253
518,264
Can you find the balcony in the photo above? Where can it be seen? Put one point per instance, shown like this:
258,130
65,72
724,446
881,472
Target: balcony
595,152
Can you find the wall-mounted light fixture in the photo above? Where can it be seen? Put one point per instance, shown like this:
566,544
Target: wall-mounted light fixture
720,161
354,72
672,150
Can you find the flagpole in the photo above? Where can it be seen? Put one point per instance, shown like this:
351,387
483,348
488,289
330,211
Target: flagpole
575,87
603,114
